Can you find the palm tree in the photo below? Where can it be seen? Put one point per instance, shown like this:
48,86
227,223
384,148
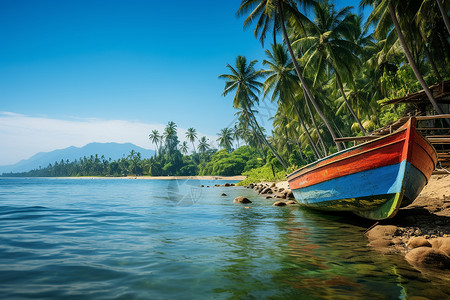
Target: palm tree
278,8
226,139
244,81
237,133
191,135
265,21
282,83
170,135
203,145
444,14
325,47
184,147
380,15
155,138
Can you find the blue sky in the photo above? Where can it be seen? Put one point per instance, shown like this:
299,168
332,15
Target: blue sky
75,64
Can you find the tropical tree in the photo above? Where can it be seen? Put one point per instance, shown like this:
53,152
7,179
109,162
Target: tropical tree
385,14
203,145
282,84
444,14
279,9
243,80
325,48
191,135
226,139
155,138
184,148
135,160
170,136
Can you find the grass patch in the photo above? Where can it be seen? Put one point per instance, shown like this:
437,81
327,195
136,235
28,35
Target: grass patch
263,173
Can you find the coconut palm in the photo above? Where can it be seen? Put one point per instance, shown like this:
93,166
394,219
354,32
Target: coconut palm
281,9
326,48
203,145
170,136
237,133
243,80
191,135
226,139
282,83
444,14
155,138
184,148
384,14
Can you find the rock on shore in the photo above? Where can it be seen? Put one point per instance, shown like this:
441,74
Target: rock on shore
275,191
420,231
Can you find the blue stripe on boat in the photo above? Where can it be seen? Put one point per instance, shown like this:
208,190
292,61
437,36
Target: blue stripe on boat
380,181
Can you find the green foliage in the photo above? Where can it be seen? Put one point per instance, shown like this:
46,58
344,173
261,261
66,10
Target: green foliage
228,164
264,173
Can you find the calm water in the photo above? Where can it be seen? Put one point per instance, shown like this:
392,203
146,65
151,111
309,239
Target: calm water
143,239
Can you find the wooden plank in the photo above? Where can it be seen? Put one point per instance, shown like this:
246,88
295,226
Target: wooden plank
438,136
431,128
356,138
421,118
439,140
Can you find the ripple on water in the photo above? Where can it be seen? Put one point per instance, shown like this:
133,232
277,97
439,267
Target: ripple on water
126,239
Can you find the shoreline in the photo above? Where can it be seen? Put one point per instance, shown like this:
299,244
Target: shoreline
237,177
420,232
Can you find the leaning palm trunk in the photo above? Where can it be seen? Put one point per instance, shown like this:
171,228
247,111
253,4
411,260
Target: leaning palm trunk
302,80
444,15
430,58
341,88
411,61
322,143
311,142
267,142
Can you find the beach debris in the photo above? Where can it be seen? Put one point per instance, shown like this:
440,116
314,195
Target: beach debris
241,199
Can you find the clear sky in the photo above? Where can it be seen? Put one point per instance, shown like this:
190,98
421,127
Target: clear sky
74,72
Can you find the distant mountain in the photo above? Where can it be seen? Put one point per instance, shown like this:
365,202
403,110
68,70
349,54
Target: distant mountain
109,150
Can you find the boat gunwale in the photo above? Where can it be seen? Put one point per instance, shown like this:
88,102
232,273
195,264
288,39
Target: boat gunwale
344,151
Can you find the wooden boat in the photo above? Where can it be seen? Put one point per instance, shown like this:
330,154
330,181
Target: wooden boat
373,179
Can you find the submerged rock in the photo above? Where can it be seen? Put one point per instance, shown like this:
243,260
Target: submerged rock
223,194
241,199
279,203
